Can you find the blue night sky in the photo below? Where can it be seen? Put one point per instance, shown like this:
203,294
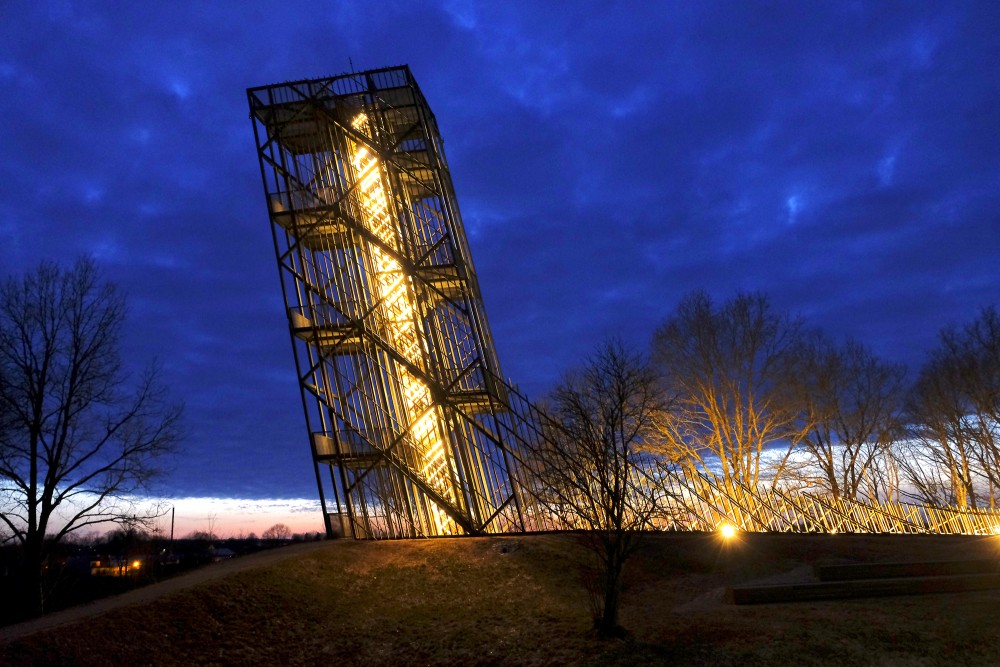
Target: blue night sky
842,157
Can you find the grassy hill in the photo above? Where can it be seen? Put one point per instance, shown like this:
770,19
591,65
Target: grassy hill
522,601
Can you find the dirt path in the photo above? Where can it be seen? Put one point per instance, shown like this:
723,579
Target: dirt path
154,591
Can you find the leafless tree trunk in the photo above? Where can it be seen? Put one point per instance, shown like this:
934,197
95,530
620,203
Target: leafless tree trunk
589,462
853,402
926,476
72,438
727,373
883,477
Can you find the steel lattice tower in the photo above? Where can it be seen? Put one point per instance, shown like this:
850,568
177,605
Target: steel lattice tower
412,430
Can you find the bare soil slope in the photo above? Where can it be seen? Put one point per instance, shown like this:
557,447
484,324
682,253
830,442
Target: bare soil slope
522,601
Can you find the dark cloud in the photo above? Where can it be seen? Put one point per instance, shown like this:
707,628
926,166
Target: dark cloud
608,157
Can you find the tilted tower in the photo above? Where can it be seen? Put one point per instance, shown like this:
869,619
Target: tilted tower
413,431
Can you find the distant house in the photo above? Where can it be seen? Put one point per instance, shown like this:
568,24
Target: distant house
114,567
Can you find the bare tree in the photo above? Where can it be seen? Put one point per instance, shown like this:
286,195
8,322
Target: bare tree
954,411
74,443
590,468
726,371
852,402
278,531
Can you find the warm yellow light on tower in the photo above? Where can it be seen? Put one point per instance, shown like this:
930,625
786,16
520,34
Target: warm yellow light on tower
727,530
405,404
394,291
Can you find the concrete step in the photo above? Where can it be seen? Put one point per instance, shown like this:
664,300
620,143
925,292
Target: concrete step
891,570
862,588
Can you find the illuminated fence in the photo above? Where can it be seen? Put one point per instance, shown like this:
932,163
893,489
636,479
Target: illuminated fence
703,505
699,503
413,431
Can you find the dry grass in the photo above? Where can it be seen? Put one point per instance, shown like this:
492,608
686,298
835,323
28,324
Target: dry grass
520,601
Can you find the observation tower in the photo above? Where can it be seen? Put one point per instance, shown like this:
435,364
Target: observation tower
412,430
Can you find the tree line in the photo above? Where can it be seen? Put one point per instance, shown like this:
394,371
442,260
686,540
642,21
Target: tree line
747,394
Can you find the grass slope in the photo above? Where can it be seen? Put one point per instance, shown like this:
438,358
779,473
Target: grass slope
521,601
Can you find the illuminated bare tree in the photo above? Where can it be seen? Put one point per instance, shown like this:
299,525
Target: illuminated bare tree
726,370
954,410
852,401
74,443
979,342
590,463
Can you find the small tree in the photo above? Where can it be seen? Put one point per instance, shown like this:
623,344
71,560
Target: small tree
72,439
589,463
127,542
278,531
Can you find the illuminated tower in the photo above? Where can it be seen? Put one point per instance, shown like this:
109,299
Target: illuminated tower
410,425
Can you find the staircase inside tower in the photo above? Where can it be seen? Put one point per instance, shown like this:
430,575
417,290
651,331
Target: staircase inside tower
413,431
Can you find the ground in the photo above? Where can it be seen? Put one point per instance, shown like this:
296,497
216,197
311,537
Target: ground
522,601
